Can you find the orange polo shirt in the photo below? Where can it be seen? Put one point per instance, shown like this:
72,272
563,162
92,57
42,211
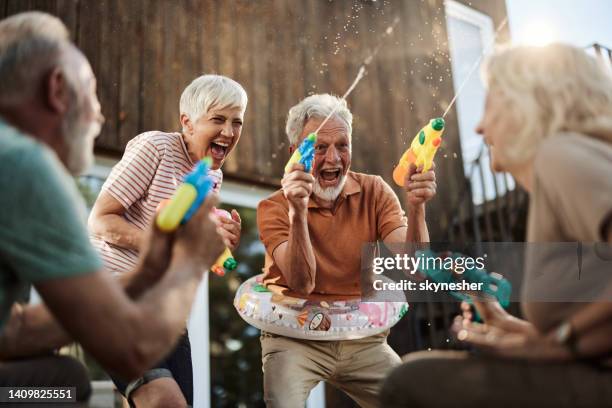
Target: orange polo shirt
367,210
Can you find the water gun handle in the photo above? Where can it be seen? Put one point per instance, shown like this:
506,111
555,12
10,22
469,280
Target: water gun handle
304,154
226,262
187,198
403,167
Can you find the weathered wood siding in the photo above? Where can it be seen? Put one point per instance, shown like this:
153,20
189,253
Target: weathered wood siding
145,52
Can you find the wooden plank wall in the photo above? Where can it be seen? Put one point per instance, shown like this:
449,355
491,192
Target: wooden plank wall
144,52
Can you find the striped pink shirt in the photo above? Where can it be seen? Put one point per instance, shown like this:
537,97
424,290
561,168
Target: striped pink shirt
152,167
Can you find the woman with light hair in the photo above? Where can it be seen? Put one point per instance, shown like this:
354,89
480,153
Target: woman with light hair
547,121
154,163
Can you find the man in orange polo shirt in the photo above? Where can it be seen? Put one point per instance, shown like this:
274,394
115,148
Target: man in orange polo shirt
314,229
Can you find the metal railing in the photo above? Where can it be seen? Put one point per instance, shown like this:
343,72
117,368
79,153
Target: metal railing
603,53
497,214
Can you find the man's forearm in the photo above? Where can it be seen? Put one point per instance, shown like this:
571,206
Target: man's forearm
299,258
165,307
31,331
417,227
146,273
138,280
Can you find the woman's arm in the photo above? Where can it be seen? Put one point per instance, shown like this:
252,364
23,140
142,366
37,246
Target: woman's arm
106,221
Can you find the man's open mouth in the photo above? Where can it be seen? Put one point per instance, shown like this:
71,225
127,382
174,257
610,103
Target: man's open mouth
218,149
330,176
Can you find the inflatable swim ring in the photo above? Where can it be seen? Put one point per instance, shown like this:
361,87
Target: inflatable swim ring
314,320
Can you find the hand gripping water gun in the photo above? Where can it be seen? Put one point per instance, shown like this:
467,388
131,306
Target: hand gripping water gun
422,150
226,261
494,284
304,154
186,201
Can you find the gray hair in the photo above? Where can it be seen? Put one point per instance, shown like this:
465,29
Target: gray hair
211,91
316,106
548,90
31,44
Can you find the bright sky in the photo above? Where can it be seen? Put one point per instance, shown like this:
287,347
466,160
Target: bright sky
579,22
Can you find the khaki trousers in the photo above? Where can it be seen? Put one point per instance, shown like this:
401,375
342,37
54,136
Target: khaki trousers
293,367
439,379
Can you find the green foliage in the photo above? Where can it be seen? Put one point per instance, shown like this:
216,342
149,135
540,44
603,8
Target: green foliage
235,351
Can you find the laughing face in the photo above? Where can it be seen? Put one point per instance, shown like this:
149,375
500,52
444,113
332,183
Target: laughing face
332,157
214,134
498,129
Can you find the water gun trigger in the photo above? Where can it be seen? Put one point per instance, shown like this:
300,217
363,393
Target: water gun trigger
427,164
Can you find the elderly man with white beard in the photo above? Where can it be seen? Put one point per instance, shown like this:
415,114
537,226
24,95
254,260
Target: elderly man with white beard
313,230
49,117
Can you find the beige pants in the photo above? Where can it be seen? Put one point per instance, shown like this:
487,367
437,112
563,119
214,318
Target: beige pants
293,367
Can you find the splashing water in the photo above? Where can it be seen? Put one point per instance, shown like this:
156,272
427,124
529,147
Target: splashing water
360,75
476,64
361,72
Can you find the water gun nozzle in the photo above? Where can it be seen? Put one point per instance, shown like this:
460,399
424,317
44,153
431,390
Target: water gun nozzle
437,124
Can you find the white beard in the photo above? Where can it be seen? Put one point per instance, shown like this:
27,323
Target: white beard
329,193
79,138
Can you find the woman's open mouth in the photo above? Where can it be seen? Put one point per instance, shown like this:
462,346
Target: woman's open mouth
218,150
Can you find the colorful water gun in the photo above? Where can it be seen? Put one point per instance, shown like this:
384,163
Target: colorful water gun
188,197
422,150
304,154
226,261
494,284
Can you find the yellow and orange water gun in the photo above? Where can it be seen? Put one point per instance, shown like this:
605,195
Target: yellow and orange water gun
422,150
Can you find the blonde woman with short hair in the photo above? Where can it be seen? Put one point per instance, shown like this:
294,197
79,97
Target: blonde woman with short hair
212,109
547,121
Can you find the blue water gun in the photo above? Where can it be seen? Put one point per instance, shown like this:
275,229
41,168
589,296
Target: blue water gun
304,154
494,284
187,198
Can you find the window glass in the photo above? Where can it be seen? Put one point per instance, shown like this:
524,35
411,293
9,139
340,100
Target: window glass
470,33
